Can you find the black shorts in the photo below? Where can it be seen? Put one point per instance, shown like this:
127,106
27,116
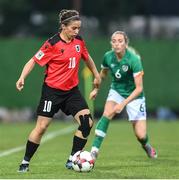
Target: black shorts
70,102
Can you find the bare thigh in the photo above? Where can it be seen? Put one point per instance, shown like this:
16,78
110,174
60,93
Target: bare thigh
109,111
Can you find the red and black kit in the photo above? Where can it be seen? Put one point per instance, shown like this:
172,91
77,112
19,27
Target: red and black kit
60,89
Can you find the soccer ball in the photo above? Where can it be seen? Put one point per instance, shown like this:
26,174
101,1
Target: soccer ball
82,161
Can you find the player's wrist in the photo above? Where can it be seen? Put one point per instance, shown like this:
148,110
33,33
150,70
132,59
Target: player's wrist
124,103
96,89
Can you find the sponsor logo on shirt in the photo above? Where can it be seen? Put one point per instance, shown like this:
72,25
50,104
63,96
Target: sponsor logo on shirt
39,55
77,47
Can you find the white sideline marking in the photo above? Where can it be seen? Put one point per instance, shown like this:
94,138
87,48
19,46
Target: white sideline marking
44,139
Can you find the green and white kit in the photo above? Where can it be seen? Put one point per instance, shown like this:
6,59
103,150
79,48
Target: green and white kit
123,73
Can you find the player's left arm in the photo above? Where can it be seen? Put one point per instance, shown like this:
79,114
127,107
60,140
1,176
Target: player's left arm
138,79
91,65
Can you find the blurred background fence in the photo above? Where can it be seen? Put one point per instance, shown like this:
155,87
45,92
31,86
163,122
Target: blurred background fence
152,26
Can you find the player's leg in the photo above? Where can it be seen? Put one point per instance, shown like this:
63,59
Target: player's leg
85,122
141,134
78,108
47,107
136,110
102,126
34,141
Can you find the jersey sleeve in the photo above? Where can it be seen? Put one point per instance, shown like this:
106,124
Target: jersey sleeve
137,66
85,53
104,64
44,55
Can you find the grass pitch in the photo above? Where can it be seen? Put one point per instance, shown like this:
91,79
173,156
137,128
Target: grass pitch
120,157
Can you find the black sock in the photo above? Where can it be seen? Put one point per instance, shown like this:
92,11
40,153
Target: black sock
30,150
78,144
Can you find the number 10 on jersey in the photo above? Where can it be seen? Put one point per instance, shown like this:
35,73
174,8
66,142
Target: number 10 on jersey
72,62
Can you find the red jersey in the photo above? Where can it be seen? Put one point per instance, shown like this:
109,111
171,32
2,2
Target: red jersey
62,60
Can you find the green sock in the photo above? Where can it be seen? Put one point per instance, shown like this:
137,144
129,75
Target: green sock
144,141
101,129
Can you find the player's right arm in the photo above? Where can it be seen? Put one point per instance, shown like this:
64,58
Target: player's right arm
26,70
42,57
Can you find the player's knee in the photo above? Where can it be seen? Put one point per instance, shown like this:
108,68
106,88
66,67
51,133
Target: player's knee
42,128
86,124
109,114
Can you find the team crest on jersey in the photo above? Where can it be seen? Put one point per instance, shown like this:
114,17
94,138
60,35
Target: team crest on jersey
112,65
77,47
125,68
39,55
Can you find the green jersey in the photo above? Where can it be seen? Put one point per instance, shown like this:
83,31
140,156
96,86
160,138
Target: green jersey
123,71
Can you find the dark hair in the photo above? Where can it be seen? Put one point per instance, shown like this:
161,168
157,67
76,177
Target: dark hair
65,16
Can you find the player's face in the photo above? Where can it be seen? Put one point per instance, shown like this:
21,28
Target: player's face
72,29
118,43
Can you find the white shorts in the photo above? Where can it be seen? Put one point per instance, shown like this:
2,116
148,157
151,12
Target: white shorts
136,109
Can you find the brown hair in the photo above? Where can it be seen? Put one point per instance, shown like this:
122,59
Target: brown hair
65,16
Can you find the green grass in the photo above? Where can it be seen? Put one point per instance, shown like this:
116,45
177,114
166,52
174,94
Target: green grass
120,157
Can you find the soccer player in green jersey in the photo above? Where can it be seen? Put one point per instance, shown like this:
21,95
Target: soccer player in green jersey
126,90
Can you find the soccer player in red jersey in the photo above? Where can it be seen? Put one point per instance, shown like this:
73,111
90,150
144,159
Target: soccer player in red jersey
61,54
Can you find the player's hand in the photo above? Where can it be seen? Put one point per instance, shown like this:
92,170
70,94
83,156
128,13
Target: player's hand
97,82
93,94
20,84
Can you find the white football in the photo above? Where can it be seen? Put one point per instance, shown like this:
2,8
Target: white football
82,161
